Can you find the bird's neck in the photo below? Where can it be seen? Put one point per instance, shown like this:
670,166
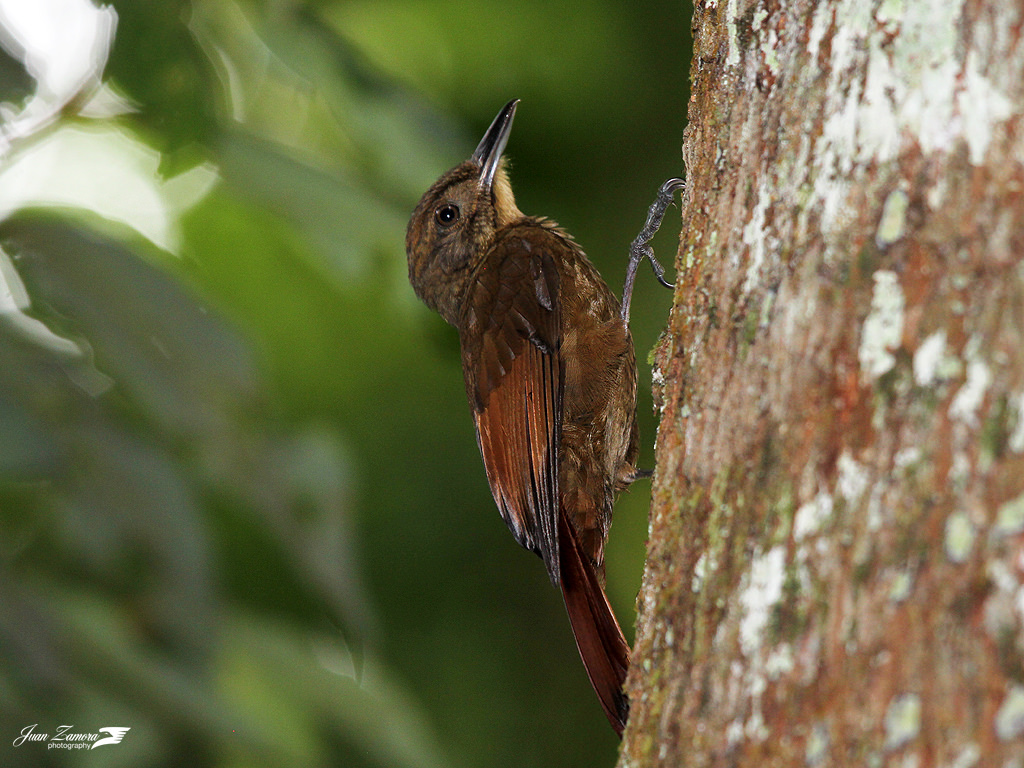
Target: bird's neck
504,201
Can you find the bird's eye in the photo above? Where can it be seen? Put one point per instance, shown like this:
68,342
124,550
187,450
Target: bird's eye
447,214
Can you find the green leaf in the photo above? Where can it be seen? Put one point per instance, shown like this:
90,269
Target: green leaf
164,351
297,687
159,65
342,221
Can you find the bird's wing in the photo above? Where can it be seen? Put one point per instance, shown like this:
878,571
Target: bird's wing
511,356
514,380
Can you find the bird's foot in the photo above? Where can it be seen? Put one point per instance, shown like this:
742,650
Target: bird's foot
641,249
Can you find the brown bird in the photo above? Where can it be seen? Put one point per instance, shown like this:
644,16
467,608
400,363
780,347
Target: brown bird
550,375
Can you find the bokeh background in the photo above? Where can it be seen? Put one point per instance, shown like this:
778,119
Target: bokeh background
241,505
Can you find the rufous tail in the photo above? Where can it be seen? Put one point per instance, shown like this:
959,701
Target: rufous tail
598,635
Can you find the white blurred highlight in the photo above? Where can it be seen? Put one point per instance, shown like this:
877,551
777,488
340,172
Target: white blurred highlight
64,46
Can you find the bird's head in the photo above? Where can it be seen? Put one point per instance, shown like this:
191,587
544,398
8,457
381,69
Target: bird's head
454,223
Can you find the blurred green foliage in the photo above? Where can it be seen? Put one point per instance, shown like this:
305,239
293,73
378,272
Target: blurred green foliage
241,506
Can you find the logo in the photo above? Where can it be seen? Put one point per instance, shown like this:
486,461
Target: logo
65,737
116,734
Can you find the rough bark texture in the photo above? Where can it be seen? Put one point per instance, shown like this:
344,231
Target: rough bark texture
836,556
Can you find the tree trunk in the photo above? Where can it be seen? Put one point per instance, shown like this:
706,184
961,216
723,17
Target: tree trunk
835,572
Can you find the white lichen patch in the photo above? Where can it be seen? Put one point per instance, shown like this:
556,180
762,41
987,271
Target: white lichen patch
852,23
971,395
1001,614
734,733
932,362
902,720
760,595
1016,438
911,83
853,478
899,588
761,591
968,756
1001,576
1010,717
960,471
1010,517
819,27
810,517
817,745
731,15
755,728
770,51
960,536
1019,599
900,79
876,507
705,565
889,13
781,661
796,314
883,328
657,377
755,237
981,107
893,222
907,457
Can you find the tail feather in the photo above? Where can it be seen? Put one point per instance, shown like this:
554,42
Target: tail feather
598,636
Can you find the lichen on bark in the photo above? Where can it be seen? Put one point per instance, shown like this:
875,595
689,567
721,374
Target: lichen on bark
835,572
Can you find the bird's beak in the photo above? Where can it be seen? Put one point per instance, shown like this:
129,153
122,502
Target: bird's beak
488,151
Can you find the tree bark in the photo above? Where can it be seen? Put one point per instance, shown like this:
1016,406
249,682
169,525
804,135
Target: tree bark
835,572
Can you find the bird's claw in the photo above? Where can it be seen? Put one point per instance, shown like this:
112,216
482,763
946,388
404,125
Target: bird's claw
640,249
